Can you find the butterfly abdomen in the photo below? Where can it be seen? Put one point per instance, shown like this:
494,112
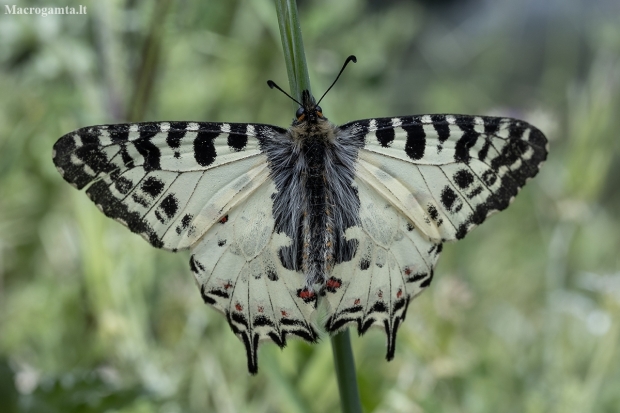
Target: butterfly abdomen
318,226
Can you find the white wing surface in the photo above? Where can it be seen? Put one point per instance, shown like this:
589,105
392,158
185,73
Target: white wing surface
394,262
167,181
238,271
448,173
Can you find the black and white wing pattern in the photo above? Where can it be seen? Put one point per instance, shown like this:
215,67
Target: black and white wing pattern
239,272
167,181
393,264
203,186
422,181
362,209
448,173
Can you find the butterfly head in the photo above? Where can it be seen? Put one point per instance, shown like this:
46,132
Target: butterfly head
309,111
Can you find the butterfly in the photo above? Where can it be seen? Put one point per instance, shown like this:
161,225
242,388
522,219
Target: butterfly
280,220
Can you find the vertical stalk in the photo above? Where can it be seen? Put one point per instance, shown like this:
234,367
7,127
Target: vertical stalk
294,56
293,47
345,373
147,71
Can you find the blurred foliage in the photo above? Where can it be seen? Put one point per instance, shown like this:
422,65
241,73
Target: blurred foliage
523,316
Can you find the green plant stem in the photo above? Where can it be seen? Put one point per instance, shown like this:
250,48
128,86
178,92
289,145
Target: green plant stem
147,71
345,373
293,47
294,56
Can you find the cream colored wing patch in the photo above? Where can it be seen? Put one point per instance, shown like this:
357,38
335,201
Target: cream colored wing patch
394,262
239,273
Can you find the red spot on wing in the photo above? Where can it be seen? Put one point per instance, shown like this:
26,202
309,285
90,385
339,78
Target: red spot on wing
260,309
357,301
333,283
238,307
399,293
224,219
407,271
284,313
380,294
306,294
227,285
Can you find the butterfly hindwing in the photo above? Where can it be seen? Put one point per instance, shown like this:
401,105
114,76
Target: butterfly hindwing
238,271
394,262
450,172
167,181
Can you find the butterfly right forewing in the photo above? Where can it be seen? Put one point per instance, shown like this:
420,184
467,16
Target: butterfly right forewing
453,170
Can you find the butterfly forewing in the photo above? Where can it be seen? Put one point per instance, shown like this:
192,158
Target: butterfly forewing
460,169
167,181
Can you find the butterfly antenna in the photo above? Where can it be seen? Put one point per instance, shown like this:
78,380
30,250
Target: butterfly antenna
272,84
346,62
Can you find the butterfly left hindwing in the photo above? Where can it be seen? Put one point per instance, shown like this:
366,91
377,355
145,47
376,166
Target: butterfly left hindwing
238,271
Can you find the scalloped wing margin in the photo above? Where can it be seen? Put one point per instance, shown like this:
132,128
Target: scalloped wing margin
238,270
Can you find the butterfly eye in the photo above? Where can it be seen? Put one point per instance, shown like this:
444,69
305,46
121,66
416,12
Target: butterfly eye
300,114
319,111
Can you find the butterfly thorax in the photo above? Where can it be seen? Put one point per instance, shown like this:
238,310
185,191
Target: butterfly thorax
322,130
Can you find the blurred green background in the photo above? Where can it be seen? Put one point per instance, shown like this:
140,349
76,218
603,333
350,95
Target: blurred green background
523,315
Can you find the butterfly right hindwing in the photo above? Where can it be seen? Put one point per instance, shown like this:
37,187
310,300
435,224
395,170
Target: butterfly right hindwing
393,264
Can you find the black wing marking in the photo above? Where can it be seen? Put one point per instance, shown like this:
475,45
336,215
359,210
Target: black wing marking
168,181
450,172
